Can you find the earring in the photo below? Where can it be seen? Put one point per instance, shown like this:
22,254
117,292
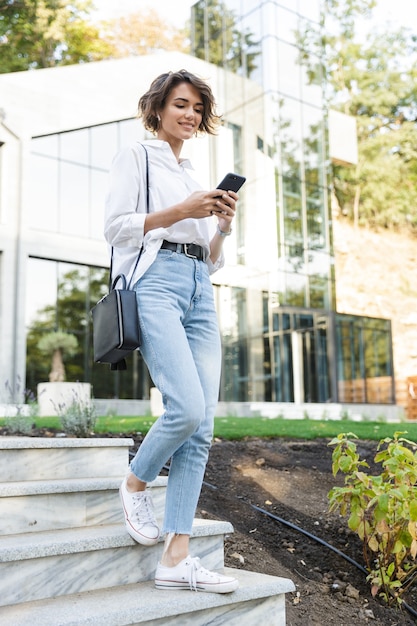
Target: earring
158,117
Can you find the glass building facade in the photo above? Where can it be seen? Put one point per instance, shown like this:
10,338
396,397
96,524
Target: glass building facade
283,339
68,175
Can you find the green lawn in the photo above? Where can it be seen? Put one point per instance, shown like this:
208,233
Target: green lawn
238,428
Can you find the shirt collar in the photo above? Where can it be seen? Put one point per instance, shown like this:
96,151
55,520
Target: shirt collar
164,145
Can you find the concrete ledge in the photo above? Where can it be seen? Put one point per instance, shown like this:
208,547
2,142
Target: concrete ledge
288,410
75,540
54,564
38,487
329,411
143,604
21,443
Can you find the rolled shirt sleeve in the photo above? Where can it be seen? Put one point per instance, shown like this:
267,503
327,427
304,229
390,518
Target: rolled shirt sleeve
124,220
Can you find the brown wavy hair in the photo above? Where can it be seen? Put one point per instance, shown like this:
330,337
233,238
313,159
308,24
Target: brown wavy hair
155,99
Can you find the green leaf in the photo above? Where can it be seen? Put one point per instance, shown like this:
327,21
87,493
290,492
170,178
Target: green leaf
345,463
413,510
354,520
383,502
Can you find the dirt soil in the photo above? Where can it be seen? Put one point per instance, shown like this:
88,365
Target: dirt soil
290,479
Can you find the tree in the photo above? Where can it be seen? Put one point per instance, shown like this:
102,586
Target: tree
375,81
45,33
217,38
142,33
57,345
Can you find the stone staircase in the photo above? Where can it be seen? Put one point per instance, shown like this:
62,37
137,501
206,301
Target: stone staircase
66,559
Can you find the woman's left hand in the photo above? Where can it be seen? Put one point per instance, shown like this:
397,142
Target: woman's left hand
225,209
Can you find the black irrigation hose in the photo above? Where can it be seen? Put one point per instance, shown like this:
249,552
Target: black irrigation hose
314,537
281,520
412,611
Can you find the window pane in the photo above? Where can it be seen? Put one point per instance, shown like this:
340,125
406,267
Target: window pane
41,288
289,71
74,200
99,183
286,25
48,146
290,137
309,9
74,146
313,143
42,201
103,145
129,131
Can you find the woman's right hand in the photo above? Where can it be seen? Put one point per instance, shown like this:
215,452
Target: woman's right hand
198,205
205,203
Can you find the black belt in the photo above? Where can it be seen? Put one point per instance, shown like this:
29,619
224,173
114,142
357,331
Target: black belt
191,250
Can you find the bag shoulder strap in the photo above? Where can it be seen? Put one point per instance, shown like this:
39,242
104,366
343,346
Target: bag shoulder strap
147,177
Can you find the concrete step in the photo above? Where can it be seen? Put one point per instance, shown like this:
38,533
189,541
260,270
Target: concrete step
260,599
36,566
66,558
42,458
40,505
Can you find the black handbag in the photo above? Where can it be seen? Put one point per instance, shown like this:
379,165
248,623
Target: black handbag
116,330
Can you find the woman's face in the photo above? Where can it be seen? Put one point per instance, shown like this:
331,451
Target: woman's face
182,114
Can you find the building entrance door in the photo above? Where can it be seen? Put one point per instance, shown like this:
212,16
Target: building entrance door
309,356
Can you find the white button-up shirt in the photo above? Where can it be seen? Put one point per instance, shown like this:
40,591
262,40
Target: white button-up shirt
126,208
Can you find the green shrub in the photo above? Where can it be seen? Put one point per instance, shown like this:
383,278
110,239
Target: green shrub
19,424
78,418
20,417
382,510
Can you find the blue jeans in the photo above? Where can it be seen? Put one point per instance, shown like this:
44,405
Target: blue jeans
181,347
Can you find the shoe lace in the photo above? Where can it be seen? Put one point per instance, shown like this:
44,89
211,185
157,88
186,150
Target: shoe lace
143,509
194,567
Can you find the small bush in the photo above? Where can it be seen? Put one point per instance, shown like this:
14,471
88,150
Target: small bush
19,419
78,418
382,510
19,424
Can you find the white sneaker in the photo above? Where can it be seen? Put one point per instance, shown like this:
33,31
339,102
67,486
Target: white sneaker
190,574
139,516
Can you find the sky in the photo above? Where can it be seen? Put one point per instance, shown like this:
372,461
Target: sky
395,12
175,11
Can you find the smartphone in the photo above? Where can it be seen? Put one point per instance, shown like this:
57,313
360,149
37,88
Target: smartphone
232,182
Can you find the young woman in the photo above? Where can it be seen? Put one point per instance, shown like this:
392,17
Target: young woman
182,237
